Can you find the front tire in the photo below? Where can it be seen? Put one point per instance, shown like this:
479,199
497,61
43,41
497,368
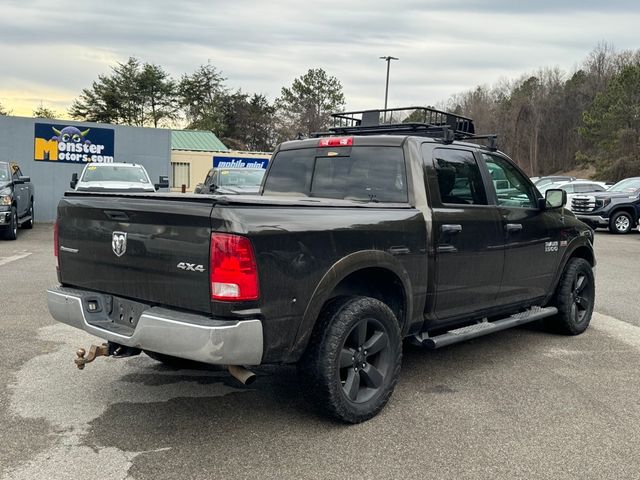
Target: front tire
621,223
11,232
575,298
352,363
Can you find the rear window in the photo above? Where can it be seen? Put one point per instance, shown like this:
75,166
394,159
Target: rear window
370,174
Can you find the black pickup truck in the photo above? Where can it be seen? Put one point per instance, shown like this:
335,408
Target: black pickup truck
359,238
16,200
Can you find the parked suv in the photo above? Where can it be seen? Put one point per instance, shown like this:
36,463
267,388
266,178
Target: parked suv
360,237
16,200
579,187
115,177
618,208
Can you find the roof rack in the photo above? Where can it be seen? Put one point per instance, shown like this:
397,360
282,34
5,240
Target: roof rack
420,121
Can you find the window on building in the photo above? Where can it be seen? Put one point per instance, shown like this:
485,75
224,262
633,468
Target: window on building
180,174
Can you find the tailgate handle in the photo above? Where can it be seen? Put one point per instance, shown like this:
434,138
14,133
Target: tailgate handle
116,215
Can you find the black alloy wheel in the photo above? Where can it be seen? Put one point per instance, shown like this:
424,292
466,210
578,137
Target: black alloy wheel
575,298
365,360
352,362
582,298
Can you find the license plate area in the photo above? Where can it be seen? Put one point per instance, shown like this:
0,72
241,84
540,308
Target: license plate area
126,312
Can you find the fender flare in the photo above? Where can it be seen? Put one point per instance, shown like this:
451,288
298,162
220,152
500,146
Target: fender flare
577,243
339,271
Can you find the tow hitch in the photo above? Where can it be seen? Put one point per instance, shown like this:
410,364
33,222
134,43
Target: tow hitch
104,350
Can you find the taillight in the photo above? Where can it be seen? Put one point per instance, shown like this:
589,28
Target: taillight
55,243
233,271
335,142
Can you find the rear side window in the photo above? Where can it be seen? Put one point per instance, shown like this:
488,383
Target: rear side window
459,178
370,174
588,188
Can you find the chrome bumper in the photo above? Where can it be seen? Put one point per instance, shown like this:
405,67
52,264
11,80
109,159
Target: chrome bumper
161,330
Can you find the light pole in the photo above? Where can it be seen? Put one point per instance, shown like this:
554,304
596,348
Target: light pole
386,88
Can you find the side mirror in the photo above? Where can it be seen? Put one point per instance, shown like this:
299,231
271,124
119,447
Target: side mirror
22,179
198,188
555,198
163,182
502,184
74,180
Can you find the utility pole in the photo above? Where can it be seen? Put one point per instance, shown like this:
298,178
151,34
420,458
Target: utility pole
386,88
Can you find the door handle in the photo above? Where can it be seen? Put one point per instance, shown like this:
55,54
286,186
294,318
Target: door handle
449,228
513,227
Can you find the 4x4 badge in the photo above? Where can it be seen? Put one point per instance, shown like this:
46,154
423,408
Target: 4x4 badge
119,243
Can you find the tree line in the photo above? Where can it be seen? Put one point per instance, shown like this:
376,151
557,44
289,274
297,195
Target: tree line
549,121
144,94
555,122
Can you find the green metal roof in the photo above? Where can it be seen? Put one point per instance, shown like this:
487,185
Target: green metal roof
196,141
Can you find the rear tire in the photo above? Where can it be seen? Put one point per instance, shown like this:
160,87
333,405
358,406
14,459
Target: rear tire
575,298
352,363
621,223
29,223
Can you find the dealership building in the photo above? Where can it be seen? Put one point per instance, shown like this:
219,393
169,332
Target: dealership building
194,153
50,151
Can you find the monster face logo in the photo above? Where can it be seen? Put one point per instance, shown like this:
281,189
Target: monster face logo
70,134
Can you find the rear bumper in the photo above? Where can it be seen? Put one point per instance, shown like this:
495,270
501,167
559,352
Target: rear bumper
595,220
161,330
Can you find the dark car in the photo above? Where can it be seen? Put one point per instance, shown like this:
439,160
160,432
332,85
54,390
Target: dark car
16,200
232,181
360,237
617,208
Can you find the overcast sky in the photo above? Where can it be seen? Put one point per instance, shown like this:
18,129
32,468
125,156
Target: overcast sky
50,50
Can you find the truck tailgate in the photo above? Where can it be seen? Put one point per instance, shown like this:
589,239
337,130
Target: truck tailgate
164,258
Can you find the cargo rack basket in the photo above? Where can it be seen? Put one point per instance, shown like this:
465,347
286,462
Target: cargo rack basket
419,121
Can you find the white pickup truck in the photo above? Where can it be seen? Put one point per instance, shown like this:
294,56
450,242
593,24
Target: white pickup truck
115,177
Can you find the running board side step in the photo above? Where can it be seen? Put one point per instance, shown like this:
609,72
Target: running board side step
485,328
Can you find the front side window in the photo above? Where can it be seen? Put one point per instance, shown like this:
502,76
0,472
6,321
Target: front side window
588,188
459,178
629,185
516,190
369,174
5,175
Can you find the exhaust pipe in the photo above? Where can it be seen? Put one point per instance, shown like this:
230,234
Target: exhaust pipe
243,375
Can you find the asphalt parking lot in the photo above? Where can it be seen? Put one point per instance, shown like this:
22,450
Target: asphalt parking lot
518,404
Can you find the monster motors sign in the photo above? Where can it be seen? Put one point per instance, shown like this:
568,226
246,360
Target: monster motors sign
70,144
